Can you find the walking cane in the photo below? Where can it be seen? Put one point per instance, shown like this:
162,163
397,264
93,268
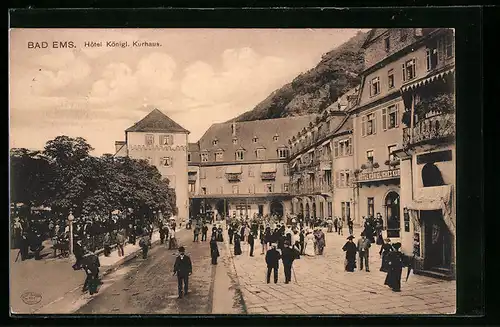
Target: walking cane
17,257
294,277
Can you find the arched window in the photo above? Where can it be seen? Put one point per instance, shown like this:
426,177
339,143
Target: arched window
431,175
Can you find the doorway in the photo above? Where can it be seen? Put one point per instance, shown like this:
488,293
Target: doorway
314,210
222,208
392,214
437,241
307,210
261,210
277,208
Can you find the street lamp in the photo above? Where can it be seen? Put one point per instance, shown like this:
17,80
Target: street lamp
70,219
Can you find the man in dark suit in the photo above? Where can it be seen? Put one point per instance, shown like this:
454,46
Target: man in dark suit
183,269
288,256
204,231
272,261
251,242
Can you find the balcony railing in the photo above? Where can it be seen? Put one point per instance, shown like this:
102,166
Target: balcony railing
268,176
378,175
233,177
430,130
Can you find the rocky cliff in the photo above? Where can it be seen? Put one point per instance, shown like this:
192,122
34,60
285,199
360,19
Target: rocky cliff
313,91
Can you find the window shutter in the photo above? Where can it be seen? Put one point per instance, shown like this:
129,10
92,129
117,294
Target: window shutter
374,122
350,145
336,148
397,115
171,161
414,61
337,178
370,87
403,71
363,126
384,119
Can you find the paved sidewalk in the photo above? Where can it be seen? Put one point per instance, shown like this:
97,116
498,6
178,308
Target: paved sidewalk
50,279
321,286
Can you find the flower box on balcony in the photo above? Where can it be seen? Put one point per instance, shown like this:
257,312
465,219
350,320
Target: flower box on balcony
268,176
233,177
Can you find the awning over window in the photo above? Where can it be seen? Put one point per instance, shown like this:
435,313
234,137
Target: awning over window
268,168
435,198
235,169
426,80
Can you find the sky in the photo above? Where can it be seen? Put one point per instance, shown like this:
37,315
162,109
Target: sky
197,77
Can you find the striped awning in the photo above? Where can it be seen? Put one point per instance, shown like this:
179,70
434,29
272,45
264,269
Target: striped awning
234,169
268,168
426,80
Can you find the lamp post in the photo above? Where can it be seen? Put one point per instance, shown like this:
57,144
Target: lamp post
70,220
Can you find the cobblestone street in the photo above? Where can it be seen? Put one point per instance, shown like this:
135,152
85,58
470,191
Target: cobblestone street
321,286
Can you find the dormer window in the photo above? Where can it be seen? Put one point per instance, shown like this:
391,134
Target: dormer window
166,139
260,154
239,155
255,139
215,142
204,157
219,156
275,138
235,140
150,139
282,153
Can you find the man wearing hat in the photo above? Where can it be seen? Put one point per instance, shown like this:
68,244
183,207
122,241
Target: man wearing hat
288,256
183,269
350,254
363,250
272,261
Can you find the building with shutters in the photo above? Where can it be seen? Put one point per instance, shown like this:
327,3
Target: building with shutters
164,144
241,168
404,128
321,163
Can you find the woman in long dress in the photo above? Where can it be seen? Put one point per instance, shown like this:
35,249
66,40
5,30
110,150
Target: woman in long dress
237,244
396,262
350,254
214,250
385,249
309,248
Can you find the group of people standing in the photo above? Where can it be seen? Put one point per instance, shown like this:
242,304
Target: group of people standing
393,260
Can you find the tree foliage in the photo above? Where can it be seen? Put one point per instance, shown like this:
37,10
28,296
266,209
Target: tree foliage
66,177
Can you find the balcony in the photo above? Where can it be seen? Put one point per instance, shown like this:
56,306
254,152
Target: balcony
192,178
268,176
430,130
380,175
233,177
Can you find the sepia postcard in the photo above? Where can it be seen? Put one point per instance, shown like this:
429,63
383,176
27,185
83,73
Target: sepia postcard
232,171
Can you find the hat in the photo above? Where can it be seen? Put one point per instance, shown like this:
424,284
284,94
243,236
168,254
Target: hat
387,240
182,249
350,237
396,245
287,242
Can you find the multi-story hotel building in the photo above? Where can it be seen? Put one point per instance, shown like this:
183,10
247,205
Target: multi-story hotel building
404,142
321,163
428,165
164,144
241,168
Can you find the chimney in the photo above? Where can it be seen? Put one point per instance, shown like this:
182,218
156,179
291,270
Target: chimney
233,129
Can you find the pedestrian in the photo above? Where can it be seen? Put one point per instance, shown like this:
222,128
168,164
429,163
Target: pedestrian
302,241
385,249
220,238
251,242
145,244
379,226
335,224
162,233
396,263
340,226
120,242
350,225
24,246
288,256
262,239
272,261
107,244
242,233
183,269
204,231
90,263
230,232
214,250
363,250
330,225
310,245
237,244
350,254
196,232
172,241
321,241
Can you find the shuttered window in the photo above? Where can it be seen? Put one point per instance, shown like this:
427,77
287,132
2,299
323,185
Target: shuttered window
363,126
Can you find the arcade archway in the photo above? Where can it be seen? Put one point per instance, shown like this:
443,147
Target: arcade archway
276,208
